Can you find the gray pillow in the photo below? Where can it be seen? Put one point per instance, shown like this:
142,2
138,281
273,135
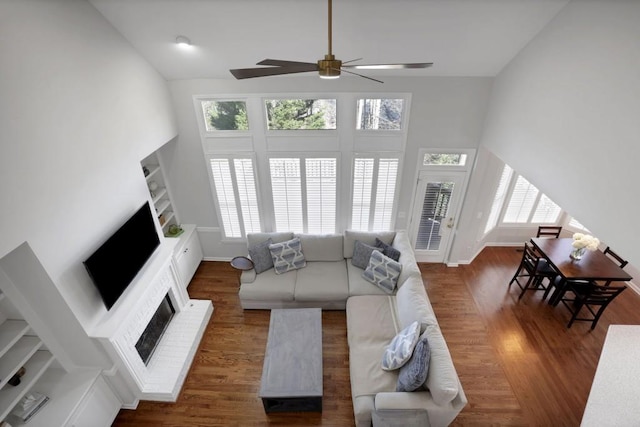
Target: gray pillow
361,254
261,256
388,250
414,373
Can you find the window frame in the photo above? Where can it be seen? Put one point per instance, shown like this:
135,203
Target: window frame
202,125
214,192
302,156
298,132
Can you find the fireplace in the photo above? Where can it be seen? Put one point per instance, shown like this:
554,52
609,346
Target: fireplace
151,335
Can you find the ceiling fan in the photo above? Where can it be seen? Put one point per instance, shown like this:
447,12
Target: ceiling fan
327,68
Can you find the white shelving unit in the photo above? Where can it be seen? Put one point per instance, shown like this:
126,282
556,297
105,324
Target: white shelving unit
160,194
20,346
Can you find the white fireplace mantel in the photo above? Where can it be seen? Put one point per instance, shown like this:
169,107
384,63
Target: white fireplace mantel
121,327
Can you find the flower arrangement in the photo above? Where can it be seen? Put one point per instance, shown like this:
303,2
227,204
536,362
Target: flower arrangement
585,241
582,242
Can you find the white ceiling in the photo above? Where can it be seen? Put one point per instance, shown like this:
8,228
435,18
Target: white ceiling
461,37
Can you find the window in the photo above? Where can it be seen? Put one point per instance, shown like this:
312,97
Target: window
235,186
379,114
373,192
444,159
311,211
573,223
520,202
225,115
300,114
498,199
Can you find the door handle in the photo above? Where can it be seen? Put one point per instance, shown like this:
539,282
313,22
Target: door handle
450,222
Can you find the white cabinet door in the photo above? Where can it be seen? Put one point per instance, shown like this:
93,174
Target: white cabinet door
98,408
188,255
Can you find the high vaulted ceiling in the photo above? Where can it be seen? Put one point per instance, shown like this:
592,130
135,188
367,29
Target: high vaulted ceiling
461,37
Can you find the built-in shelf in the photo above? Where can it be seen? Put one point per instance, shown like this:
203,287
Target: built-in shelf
17,356
160,193
10,332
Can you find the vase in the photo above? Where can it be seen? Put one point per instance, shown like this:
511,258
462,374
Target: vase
577,253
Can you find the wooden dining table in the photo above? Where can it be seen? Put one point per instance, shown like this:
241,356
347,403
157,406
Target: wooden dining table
594,265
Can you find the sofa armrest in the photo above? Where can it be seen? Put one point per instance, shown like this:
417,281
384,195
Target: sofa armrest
248,276
439,415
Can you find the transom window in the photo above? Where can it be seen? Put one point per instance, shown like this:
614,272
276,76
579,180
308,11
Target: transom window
300,114
225,115
444,159
379,114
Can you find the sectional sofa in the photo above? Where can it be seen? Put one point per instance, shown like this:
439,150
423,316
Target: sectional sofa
328,278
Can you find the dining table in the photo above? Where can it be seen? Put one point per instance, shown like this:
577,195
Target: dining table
593,266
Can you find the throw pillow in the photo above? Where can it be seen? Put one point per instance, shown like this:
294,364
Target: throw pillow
388,250
382,271
287,256
361,254
261,256
414,373
399,350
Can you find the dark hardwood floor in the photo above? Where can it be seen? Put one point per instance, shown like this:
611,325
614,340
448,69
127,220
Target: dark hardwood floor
518,363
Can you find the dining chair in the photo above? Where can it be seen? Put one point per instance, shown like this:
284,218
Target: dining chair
595,298
621,262
549,231
532,271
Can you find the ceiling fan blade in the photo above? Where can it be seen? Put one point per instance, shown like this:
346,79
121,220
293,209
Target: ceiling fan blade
280,63
390,66
247,73
360,75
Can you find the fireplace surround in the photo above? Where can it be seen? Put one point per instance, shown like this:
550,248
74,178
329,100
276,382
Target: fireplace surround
120,329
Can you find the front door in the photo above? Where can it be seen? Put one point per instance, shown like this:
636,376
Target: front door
434,214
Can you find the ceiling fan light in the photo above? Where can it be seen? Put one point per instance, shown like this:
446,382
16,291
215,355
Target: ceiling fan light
183,41
326,77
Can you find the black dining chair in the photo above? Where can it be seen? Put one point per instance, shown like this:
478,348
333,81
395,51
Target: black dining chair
591,296
621,262
532,271
549,231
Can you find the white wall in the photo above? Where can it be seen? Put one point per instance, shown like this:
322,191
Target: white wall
79,108
445,112
564,114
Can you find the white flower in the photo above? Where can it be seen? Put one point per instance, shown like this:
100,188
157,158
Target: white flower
585,241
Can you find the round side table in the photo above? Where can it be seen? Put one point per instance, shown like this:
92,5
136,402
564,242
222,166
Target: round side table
242,263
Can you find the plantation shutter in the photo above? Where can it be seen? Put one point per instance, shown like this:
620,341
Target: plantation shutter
235,186
362,185
247,194
385,194
546,212
286,187
321,177
374,189
523,198
498,199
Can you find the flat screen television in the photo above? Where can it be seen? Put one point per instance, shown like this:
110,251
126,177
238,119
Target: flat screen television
117,261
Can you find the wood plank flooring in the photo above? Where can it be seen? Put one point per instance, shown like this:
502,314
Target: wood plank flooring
518,363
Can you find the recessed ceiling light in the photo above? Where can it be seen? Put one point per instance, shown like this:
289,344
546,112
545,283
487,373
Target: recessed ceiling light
183,41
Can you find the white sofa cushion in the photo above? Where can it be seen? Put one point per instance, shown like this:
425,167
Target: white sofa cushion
368,237
325,247
276,237
322,281
413,303
271,286
407,259
442,380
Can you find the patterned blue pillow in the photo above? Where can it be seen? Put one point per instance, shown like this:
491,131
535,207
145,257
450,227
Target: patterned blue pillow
287,256
400,349
382,271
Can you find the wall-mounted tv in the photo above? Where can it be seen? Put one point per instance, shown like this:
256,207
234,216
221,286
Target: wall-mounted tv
118,260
